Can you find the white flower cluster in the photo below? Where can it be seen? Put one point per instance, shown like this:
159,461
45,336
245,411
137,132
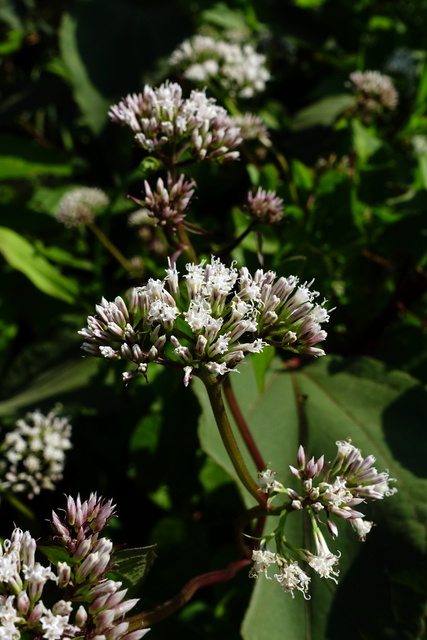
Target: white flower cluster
34,453
173,127
240,70
101,602
22,581
291,575
350,481
77,207
251,127
374,90
84,578
221,315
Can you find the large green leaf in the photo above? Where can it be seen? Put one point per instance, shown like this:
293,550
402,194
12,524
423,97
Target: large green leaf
71,375
93,104
324,112
21,255
385,414
23,158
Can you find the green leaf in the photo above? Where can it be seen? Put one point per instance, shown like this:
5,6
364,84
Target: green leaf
92,103
21,255
57,554
71,375
12,42
384,413
261,363
132,565
365,143
23,158
324,112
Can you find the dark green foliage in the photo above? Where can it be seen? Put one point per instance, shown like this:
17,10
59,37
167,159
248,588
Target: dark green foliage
355,192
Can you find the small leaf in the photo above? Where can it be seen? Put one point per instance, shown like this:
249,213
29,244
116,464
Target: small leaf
132,565
364,142
22,256
323,112
56,554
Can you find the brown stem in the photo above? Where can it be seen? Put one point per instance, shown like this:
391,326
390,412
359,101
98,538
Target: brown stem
110,246
225,252
242,425
147,618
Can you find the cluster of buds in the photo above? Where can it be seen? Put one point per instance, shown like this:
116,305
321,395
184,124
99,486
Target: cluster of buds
252,127
212,322
333,489
34,453
265,206
22,581
239,70
336,490
177,128
79,206
167,203
374,91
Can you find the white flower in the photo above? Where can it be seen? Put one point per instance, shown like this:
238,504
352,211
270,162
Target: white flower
375,90
323,565
159,117
262,559
223,314
78,206
239,69
35,450
362,527
266,481
292,577
55,626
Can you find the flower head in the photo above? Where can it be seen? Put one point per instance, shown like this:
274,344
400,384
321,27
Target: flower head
292,577
375,91
217,316
265,206
251,127
238,69
78,206
262,559
163,121
81,579
34,453
168,202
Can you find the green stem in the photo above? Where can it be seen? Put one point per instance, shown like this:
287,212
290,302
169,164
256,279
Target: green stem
213,387
185,242
110,246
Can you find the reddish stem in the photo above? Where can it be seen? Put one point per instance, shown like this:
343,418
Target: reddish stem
147,618
242,425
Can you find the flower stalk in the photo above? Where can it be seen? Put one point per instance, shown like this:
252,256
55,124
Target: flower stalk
213,388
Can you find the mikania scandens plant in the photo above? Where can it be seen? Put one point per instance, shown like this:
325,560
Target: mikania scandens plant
326,491
204,321
80,599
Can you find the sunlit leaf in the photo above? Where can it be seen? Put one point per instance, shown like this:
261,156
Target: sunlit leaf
24,257
384,413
